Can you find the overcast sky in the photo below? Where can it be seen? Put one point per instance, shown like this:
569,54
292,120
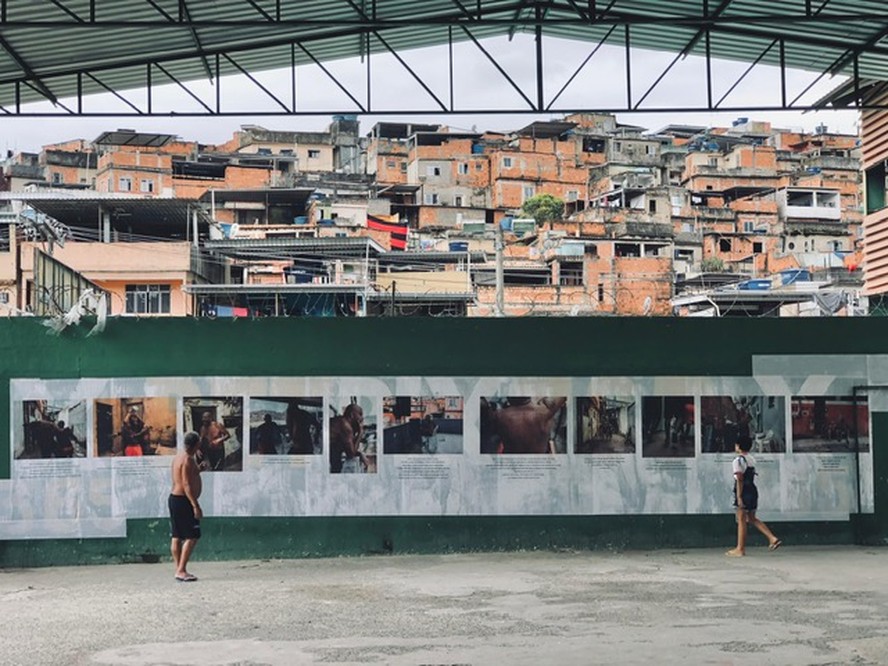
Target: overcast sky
478,85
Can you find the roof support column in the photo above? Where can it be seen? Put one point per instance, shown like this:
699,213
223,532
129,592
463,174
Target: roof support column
104,224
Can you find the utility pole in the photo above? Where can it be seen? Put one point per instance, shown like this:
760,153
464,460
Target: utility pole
498,246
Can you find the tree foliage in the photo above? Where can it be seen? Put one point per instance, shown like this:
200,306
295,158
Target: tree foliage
712,265
544,208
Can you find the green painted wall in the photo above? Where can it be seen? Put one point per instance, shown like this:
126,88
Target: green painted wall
428,347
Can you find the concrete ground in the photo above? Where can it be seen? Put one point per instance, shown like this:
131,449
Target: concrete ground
793,606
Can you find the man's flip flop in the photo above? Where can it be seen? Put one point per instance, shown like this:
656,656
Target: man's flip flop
775,545
186,579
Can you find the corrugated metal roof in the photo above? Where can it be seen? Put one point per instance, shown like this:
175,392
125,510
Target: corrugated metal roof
346,246
53,49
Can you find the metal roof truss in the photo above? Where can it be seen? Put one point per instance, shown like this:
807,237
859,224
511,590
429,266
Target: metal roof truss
64,51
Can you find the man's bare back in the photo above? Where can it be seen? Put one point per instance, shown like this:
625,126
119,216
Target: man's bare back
526,428
186,479
185,511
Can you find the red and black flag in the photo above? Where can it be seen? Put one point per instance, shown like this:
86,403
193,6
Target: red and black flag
396,230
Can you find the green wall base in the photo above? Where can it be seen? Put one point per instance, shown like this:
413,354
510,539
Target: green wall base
292,538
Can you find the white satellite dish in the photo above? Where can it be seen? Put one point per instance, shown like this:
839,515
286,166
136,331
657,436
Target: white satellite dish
646,308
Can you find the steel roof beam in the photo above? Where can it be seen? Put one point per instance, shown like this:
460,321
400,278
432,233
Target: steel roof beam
30,74
764,36
183,7
257,82
688,48
67,11
591,20
853,53
567,14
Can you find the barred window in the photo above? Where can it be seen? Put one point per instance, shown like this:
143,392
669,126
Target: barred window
148,299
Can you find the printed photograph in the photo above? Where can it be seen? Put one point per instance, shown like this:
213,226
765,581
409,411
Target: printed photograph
422,424
605,424
524,425
667,423
135,427
51,429
220,424
286,426
829,424
353,436
725,418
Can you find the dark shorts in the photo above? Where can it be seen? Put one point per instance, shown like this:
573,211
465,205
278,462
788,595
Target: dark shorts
750,498
183,524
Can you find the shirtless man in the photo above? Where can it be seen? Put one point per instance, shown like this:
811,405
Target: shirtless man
65,441
133,433
346,432
212,442
185,511
525,426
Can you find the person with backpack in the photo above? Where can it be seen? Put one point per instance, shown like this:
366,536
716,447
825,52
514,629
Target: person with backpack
746,498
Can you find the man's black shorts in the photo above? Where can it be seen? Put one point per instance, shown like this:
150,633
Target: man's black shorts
183,524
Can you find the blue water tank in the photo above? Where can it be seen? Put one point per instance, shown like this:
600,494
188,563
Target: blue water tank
795,275
477,148
755,285
506,224
459,246
300,219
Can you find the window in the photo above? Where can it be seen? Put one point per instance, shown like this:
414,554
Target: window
147,299
433,170
57,178
146,186
125,184
600,293
4,297
572,195
527,192
457,201
431,199
390,164
652,206
286,151
724,244
404,167
756,248
748,226
648,149
571,275
507,162
876,186
618,146
462,168
263,151
314,154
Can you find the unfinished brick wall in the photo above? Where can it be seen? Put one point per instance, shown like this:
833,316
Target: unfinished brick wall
630,285
527,301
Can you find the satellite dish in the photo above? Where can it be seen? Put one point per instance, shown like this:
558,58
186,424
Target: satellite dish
646,308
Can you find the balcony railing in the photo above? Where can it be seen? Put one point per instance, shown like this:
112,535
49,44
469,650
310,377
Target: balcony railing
641,230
